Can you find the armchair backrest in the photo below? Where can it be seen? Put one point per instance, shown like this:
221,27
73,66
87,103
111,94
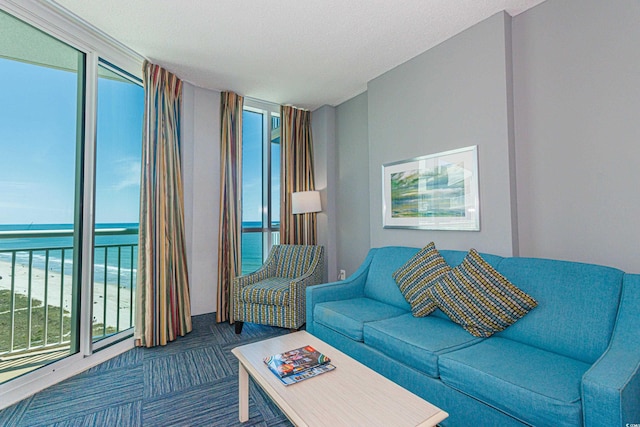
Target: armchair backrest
295,260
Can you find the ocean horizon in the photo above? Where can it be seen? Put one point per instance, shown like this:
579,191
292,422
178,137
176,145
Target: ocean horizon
120,269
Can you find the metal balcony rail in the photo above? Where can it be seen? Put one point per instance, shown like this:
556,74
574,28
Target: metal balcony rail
36,289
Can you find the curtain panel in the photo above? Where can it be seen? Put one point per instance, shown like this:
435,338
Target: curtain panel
230,241
296,175
163,310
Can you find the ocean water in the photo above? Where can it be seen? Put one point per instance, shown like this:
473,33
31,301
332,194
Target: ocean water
120,268
251,248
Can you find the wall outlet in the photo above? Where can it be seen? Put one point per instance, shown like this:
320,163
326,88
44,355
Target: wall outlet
342,275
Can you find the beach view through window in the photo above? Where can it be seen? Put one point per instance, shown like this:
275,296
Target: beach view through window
117,195
260,183
43,194
40,137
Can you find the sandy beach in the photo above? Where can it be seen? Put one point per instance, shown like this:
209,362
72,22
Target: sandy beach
59,293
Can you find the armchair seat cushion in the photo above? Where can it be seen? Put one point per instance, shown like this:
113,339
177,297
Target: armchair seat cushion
271,291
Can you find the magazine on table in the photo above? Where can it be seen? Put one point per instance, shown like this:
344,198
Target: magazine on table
299,364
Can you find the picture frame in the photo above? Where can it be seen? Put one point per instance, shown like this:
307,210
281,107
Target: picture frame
433,192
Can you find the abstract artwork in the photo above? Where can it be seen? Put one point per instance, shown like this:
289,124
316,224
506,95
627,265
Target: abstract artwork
434,192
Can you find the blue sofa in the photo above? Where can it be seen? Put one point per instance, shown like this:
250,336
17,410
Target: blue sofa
573,360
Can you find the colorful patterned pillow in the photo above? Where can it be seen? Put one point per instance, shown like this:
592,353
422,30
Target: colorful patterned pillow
478,298
417,275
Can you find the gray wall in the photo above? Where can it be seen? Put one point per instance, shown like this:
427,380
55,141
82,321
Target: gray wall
557,125
577,115
352,188
454,95
323,129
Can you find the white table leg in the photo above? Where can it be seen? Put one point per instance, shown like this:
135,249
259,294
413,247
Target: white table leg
243,393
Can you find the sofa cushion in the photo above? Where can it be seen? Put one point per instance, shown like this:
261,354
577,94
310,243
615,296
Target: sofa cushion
272,291
578,305
380,284
416,341
417,275
479,298
533,385
348,316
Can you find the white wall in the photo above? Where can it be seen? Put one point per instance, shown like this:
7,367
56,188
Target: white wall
577,115
201,174
452,96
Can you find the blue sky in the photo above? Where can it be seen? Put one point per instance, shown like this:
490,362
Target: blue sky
251,166
38,146
252,128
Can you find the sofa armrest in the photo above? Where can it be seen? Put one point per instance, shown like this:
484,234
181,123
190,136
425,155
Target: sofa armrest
611,388
351,287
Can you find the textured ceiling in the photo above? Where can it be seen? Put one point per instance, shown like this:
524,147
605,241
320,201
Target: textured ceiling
305,53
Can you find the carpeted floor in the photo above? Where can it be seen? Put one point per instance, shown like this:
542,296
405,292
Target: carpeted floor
193,382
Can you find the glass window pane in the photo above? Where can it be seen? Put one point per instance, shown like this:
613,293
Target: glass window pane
118,162
261,182
252,126
275,171
40,117
252,212
275,185
251,252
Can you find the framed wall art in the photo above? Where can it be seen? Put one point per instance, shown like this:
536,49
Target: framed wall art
434,192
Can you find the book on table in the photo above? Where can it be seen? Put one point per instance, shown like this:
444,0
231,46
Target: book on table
298,364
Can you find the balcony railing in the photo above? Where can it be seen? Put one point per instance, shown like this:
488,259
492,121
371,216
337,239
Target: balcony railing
36,289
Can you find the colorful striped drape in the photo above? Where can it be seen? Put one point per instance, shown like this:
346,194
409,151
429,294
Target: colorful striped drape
163,308
296,175
229,245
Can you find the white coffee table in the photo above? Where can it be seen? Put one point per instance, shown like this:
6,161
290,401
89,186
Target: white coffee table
350,395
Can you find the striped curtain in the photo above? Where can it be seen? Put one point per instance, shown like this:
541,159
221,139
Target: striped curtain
229,245
296,175
163,309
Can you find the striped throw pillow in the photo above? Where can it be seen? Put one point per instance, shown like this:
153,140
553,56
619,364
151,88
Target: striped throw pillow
480,299
417,275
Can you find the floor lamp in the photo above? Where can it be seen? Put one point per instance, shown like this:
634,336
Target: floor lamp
302,203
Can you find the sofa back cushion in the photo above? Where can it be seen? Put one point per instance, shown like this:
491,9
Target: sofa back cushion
577,305
454,258
380,284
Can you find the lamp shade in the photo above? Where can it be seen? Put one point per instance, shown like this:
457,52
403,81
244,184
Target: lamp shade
305,202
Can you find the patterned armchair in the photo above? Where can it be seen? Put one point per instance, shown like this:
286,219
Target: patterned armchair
275,294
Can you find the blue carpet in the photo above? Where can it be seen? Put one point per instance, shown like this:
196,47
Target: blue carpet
192,381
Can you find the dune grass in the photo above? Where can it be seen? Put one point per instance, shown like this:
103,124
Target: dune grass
57,323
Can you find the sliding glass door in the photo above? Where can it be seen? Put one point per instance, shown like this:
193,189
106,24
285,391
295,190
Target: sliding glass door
41,141
117,198
70,154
